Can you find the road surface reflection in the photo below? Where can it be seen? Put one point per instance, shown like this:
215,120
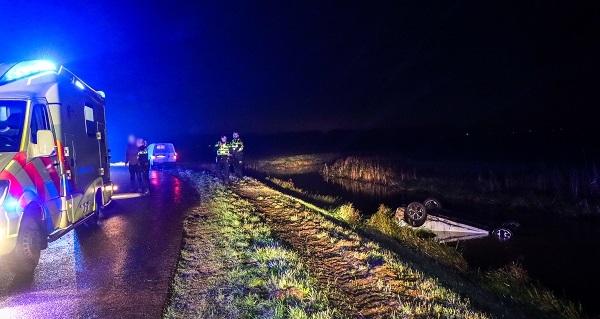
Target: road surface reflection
117,269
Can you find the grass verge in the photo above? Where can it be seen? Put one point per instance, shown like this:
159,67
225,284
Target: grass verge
231,265
289,185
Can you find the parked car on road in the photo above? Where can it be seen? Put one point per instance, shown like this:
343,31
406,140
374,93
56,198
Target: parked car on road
162,154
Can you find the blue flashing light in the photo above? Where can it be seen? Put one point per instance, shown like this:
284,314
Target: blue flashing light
27,68
11,204
79,85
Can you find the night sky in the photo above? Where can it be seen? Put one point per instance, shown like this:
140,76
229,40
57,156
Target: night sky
272,66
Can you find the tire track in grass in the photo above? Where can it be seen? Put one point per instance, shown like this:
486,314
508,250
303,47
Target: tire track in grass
333,261
231,266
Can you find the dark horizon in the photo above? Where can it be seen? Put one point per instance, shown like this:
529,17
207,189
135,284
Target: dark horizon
268,67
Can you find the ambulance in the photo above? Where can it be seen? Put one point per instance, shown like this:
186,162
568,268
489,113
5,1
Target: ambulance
54,158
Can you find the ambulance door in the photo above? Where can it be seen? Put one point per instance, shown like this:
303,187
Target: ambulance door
44,171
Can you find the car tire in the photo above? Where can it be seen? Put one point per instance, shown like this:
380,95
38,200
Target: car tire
432,205
26,255
415,214
502,234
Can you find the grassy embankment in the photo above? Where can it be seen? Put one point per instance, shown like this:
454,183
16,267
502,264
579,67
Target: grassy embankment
296,164
565,191
366,280
510,284
231,266
289,185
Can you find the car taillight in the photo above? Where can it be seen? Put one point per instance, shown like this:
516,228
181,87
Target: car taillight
175,156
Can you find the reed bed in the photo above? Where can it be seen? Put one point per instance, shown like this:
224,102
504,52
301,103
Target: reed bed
570,191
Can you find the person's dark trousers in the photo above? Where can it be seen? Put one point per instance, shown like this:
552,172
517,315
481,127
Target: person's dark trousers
134,176
223,168
238,165
145,172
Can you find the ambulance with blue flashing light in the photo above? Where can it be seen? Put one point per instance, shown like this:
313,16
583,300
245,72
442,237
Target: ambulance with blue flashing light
54,158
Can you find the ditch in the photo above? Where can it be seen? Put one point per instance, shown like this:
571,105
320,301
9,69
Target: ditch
560,253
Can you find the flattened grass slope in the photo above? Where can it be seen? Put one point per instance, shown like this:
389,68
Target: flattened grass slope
231,266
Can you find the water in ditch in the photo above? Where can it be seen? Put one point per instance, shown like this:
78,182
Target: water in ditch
562,254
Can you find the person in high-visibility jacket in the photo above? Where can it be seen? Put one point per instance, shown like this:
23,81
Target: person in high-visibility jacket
223,150
237,152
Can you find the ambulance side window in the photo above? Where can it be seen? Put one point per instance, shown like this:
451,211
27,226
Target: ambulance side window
39,120
90,124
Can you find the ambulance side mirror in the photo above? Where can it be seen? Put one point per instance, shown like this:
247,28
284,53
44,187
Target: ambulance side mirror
45,143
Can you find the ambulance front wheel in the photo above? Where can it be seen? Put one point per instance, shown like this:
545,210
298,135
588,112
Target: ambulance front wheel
95,218
26,255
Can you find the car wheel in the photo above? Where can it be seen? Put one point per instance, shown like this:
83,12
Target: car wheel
415,214
432,205
26,255
502,234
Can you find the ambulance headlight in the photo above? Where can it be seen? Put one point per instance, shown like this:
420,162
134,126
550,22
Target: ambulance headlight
27,68
4,185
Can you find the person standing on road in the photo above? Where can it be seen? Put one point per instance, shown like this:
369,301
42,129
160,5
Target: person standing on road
131,160
223,150
237,148
144,165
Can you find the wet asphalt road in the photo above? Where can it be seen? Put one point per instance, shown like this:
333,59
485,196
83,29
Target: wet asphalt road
120,270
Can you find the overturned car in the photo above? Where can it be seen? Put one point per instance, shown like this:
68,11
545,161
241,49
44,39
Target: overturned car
427,215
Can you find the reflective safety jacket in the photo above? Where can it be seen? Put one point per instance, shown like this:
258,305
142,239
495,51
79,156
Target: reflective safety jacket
237,145
143,156
223,149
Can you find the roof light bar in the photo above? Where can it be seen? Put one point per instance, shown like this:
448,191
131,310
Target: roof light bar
27,68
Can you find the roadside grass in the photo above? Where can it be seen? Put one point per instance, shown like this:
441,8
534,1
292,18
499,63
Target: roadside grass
289,185
348,213
510,284
512,280
253,274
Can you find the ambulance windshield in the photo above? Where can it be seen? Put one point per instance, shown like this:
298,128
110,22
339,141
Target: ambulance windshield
11,124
